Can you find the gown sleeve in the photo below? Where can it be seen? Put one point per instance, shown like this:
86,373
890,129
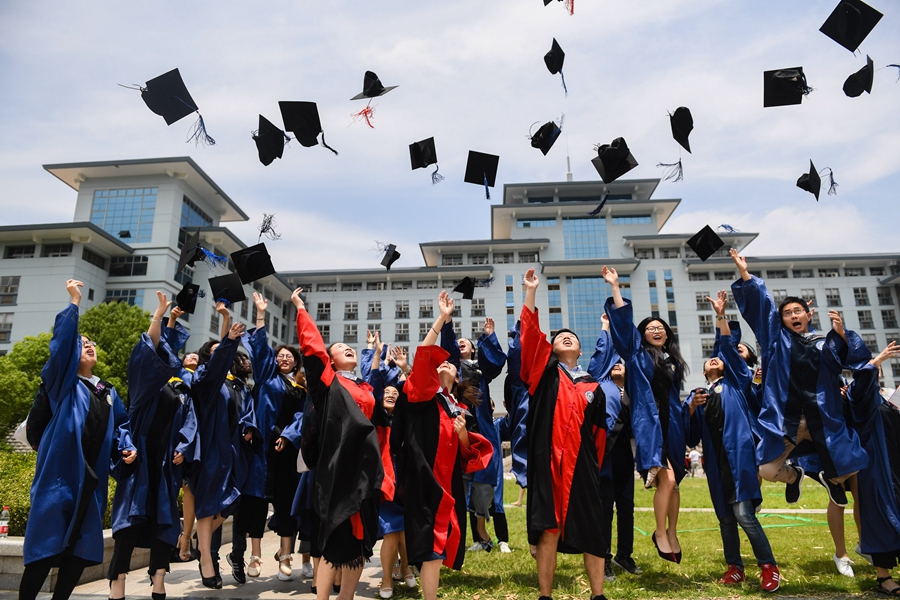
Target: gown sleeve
423,382
491,356
604,357
316,362
758,309
121,440
176,337
148,370
262,356
450,343
60,372
535,349
478,455
626,338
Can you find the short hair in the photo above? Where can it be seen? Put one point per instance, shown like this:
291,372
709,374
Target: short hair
564,330
793,300
205,351
753,358
298,358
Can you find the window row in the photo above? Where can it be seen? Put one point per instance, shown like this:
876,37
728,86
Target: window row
674,252
379,286
482,258
401,310
354,334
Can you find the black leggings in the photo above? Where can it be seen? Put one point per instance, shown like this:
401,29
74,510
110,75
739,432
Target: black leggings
249,520
501,527
70,570
126,539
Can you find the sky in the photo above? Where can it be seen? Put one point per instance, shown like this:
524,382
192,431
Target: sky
470,74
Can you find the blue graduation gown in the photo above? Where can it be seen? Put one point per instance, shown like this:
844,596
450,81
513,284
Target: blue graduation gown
214,481
517,399
752,393
390,373
879,506
60,471
600,366
645,422
761,313
737,436
491,359
149,369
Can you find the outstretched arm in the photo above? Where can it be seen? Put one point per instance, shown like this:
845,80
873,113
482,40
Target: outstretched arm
741,263
718,305
612,278
155,329
445,313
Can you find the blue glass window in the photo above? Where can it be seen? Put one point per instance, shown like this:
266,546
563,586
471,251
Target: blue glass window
585,237
533,223
126,214
586,297
638,220
193,216
132,297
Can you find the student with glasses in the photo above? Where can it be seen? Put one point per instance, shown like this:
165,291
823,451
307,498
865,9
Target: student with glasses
654,373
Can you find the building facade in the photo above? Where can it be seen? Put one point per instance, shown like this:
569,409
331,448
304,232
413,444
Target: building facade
129,223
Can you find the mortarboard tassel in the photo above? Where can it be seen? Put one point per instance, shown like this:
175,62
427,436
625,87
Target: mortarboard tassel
563,77
327,146
727,228
597,210
805,89
267,228
487,189
200,294
898,71
570,6
832,184
198,134
487,282
674,171
212,259
436,177
367,113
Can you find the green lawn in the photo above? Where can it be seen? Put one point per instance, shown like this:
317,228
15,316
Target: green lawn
801,543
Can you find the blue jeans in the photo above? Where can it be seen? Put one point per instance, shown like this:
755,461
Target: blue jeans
745,514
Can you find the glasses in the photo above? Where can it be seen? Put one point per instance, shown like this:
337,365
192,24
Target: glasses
795,312
655,329
89,344
284,357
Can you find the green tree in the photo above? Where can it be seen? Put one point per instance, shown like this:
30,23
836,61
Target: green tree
116,327
20,374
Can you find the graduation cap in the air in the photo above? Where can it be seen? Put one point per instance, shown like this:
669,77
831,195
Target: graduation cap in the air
186,299
554,60
811,182
544,138
466,287
850,22
423,154
168,97
372,88
270,141
192,251
705,242
861,81
252,263
302,119
481,169
613,160
227,288
600,206
570,5
390,256
784,87
682,124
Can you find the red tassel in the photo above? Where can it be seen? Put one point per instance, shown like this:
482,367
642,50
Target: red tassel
570,6
367,113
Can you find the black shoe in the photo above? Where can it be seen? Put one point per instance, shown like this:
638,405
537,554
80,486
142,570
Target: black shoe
487,545
626,563
608,574
792,491
156,596
835,490
336,588
598,597
237,569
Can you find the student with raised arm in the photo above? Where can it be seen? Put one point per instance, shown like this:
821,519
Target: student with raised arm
801,395
516,399
435,448
340,442
566,444
87,440
654,372
721,419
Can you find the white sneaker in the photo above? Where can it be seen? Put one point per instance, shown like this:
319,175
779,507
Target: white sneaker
386,593
306,571
410,581
476,547
843,565
504,548
868,557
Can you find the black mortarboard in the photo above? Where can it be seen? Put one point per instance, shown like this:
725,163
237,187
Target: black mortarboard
302,119
784,87
168,97
570,5
481,169
613,160
252,263
555,58
850,22
228,288
422,154
186,299
270,141
190,251
861,81
372,87
705,242
390,256
466,287
811,182
546,136
682,124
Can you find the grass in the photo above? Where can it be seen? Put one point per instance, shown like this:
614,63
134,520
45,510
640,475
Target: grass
801,543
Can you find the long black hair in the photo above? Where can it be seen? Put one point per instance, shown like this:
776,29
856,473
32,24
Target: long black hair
670,347
205,351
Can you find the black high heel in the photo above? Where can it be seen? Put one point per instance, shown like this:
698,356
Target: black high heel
669,556
214,582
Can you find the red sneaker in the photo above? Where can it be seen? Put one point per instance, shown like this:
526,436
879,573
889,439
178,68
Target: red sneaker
771,577
733,576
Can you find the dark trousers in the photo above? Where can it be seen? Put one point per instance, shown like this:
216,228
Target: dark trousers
284,488
619,492
501,527
70,570
126,539
249,519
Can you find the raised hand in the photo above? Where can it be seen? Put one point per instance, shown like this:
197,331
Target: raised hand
163,306
604,319
488,326
837,323
222,309
610,276
370,339
72,286
261,303
175,314
445,305
719,303
892,350
399,356
296,299
531,280
236,331
739,261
